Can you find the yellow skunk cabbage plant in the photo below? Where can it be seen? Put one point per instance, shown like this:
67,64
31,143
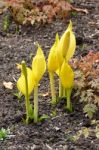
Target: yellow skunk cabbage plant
58,62
53,66
67,80
25,85
29,80
66,49
38,69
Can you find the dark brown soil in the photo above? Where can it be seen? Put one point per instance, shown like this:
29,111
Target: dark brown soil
55,133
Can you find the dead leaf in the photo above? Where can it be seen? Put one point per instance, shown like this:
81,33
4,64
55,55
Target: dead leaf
65,6
8,85
80,10
29,12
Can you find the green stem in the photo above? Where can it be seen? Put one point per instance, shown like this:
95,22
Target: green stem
52,85
27,103
68,95
27,109
60,89
60,85
36,103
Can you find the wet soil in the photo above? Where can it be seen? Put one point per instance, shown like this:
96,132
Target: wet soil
56,132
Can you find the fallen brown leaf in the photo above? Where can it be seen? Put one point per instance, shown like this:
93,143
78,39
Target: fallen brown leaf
80,10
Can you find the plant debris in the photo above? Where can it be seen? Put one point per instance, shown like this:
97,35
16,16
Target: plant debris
87,81
43,11
8,85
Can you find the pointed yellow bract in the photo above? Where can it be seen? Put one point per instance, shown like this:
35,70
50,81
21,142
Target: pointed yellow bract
52,58
21,85
70,26
66,75
38,65
71,46
67,45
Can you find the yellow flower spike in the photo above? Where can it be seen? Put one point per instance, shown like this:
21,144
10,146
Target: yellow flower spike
66,45
66,75
52,58
38,65
21,81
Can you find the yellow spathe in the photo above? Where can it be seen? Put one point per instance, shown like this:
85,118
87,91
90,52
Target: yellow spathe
66,75
67,45
52,58
38,65
71,47
21,85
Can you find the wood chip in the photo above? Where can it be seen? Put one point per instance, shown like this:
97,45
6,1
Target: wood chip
8,85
